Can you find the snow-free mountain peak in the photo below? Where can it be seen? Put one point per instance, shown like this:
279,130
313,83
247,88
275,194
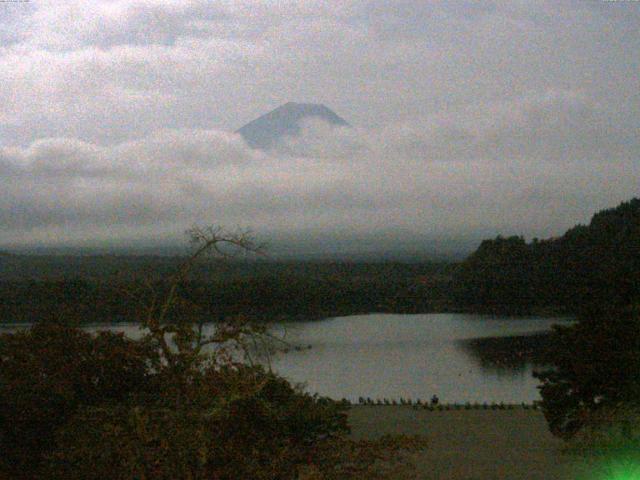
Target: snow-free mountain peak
264,132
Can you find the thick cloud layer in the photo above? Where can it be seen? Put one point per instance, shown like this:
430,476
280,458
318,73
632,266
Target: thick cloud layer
470,119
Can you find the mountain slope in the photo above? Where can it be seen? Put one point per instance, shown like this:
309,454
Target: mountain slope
595,264
264,132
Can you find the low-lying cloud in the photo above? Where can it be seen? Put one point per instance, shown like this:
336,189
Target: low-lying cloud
469,120
526,167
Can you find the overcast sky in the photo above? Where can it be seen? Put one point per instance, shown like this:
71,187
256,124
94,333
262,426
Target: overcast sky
471,118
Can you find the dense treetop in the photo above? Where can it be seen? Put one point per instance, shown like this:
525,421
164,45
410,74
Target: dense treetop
588,265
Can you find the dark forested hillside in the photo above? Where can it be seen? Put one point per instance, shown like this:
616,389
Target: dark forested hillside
104,288
593,264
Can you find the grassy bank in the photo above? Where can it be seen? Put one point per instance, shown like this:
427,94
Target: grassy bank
480,444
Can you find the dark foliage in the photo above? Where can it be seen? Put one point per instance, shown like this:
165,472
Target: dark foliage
73,405
265,290
244,423
591,271
50,372
596,366
586,267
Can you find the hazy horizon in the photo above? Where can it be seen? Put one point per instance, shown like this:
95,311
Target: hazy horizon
468,120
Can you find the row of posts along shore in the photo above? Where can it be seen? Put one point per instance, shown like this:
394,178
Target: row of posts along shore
436,406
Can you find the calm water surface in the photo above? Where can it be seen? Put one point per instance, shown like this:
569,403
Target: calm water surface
409,356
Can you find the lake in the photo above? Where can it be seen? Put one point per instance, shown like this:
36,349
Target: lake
459,357
412,356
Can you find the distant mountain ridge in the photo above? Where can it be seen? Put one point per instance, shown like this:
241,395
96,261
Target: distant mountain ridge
265,131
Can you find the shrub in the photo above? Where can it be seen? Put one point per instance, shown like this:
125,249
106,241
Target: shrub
596,364
265,432
47,374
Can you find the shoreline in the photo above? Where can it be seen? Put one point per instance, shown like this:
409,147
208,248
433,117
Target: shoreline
480,444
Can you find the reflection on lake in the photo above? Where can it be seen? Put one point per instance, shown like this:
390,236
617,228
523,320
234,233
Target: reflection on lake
459,357
454,356
507,355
